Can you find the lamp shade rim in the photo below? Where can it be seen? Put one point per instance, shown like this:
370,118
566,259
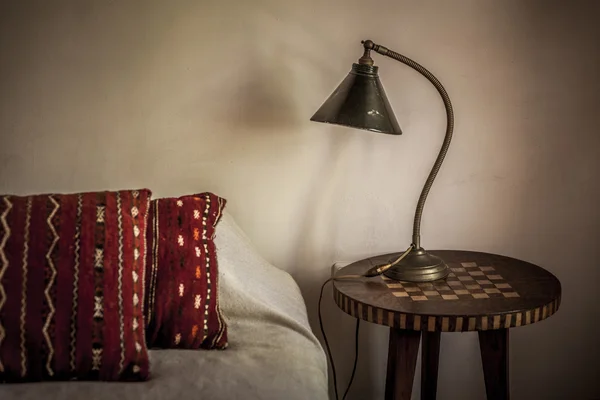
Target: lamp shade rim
374,130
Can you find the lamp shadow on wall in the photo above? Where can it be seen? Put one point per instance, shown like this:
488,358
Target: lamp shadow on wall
263,104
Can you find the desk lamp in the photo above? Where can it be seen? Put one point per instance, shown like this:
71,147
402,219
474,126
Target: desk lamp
360,102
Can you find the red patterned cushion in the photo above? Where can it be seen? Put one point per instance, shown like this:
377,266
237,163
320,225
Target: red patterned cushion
182,305
72,270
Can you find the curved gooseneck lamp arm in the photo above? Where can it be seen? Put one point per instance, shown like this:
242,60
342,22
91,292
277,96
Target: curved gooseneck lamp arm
369,45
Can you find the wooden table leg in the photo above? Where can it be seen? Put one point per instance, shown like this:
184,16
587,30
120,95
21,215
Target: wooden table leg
402,361
494,356
430,354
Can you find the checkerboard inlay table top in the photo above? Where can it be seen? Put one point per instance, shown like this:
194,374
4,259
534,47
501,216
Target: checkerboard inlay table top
483,291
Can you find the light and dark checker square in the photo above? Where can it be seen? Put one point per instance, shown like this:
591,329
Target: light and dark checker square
466,281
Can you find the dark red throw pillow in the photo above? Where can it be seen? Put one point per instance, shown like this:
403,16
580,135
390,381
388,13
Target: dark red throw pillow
182,304
72,270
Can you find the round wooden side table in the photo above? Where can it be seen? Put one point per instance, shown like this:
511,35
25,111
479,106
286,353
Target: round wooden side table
487,293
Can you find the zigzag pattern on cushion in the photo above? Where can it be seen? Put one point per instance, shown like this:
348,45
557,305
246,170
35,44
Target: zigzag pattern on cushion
50,262
24,290
3,267
75,283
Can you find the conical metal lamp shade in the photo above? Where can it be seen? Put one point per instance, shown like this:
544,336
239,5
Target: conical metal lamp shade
360,102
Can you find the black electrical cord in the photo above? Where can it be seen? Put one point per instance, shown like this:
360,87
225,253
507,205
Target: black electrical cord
355,359
329,350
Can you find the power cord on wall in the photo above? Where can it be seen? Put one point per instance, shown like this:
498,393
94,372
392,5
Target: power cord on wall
371,272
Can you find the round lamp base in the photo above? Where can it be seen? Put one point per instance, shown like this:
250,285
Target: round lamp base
418,266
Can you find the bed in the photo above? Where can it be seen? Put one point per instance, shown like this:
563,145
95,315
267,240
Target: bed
272,351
